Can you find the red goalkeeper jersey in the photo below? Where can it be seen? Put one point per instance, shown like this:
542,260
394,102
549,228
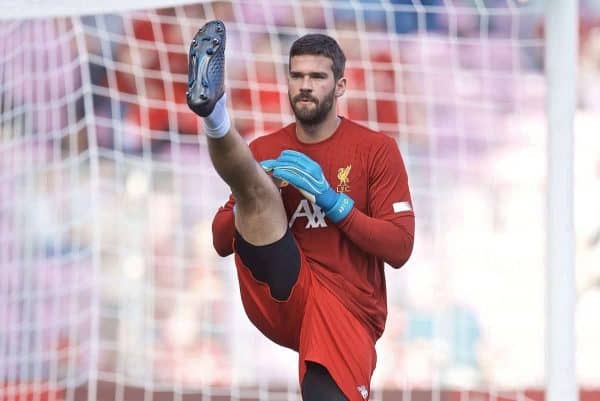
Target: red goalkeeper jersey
347,257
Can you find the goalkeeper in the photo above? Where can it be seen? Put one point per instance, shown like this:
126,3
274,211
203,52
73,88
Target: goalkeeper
313,221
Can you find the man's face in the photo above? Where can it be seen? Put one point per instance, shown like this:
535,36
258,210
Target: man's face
311,88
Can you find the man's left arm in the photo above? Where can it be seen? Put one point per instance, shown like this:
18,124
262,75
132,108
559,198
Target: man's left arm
391,241
388,232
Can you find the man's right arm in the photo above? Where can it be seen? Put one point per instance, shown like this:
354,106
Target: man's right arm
223,228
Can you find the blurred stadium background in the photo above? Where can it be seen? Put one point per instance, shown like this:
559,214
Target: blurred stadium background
109,286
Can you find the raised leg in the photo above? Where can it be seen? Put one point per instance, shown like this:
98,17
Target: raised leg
259,213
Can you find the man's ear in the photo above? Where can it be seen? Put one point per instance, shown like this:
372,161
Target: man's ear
340,87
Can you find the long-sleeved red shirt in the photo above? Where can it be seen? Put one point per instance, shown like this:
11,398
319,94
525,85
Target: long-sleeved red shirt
347,257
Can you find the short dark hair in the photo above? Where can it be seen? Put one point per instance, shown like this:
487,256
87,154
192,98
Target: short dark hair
321,45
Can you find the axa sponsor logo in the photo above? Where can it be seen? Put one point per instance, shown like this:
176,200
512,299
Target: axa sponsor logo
314,215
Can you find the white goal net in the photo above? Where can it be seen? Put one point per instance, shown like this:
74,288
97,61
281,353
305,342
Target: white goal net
109,286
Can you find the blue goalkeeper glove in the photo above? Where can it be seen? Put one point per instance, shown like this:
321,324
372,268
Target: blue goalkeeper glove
307,176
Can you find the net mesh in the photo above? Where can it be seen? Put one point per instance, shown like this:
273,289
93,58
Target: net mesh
109,286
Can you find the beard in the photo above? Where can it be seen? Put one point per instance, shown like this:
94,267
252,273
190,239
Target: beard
312,116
